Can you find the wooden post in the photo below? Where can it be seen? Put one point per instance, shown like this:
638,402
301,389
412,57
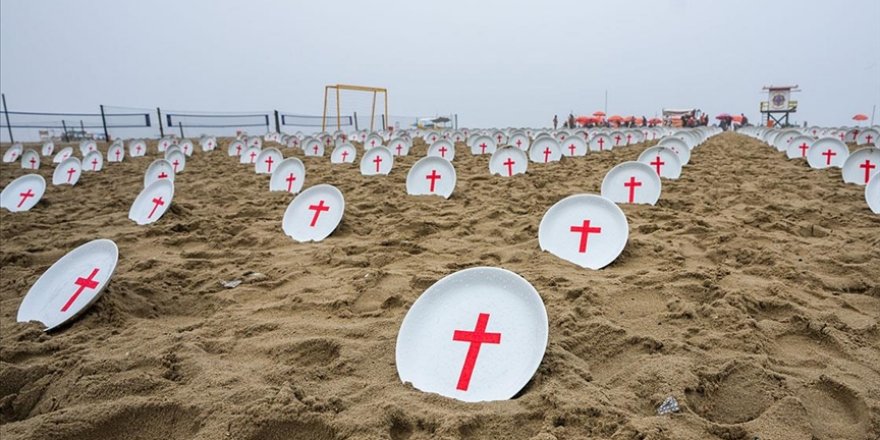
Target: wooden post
338,115
373,112
277,125
324,118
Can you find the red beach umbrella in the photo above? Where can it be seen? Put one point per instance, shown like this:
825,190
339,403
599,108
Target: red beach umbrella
860,117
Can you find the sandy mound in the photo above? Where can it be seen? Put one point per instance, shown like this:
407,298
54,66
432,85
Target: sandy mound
751,293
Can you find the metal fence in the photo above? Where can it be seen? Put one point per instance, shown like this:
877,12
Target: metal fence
112,122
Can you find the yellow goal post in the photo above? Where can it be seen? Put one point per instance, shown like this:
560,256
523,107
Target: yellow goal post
340,87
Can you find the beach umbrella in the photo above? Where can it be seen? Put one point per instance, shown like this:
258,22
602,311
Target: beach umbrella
737,118
723,116
615,118
860,117
584,119
599,113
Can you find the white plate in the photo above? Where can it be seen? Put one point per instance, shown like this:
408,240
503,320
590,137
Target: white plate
48,148
861,165
250,155
313,147
208,143
442,149
159,169
872,193
12,153
67,172
483,145
93,161
585,229
601,142
431,176
71,285
30,159
289,176
314,214
343,153
373,140
137,148
679,147
574,146
151,204
632,182
377,161
545,150
186,146
827,152
798,147
618,139
235,148
23,193
519,141
268,161
63,155
399,147
116,153
174,148
435,351
508,161
662,159
164,143
86,147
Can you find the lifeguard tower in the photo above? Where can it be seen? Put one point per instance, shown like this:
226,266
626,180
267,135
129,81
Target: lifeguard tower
778,105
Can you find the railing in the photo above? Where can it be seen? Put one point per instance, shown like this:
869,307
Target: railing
765,107
113,122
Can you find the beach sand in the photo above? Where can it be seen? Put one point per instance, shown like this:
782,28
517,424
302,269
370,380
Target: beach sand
750,293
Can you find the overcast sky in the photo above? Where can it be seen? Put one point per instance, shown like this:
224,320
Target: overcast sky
494,63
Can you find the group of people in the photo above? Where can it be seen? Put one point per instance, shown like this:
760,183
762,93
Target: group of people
694,118
731,124
628,122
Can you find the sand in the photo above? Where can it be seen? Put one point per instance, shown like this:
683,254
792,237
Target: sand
750,293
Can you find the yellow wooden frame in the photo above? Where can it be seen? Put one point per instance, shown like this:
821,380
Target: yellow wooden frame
338,87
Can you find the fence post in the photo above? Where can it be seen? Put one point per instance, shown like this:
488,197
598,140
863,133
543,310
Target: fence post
161,131
356,121
64,125
384,125
277,124
6,112
104,122
456,121
180,125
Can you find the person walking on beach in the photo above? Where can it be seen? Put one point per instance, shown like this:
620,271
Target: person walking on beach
555,122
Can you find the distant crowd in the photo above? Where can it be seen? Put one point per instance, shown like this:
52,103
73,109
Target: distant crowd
694,118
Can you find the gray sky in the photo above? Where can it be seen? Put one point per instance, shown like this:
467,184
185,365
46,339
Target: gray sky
494,63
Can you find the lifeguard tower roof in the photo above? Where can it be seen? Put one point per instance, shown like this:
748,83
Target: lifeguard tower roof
792,88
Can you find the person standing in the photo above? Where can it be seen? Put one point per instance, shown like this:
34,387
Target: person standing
555,122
